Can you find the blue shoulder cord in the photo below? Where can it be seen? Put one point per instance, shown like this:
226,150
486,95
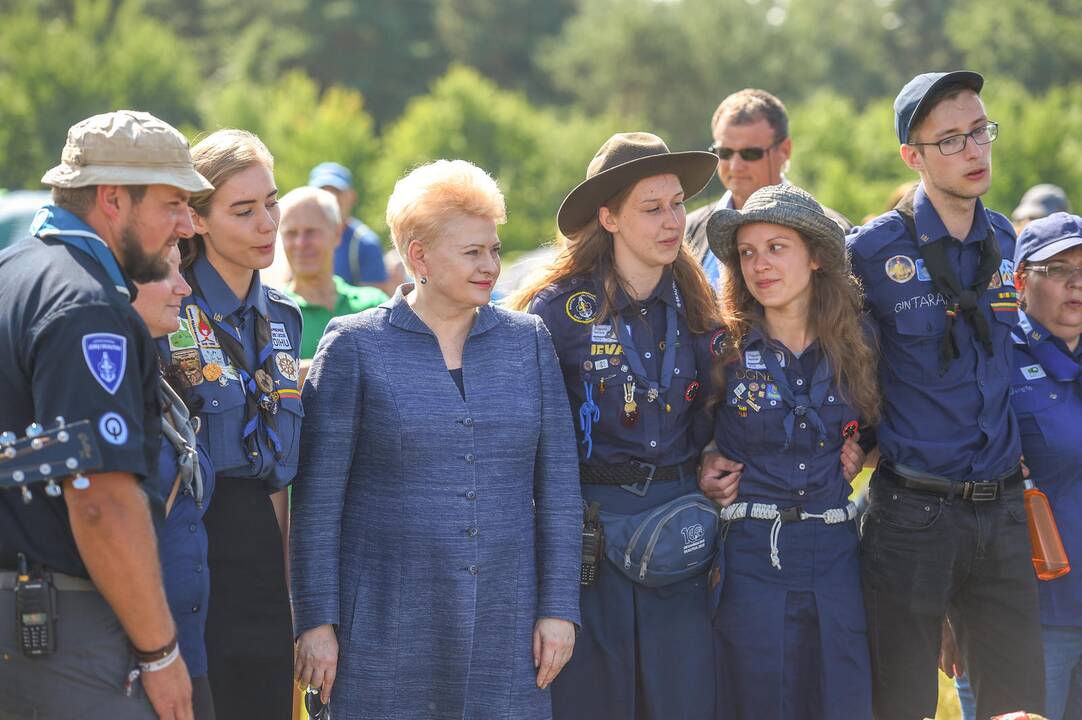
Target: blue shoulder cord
589,413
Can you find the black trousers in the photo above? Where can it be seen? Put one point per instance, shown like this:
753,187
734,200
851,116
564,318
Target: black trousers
249,627
923,557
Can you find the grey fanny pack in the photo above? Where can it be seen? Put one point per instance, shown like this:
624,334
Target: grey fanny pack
665,544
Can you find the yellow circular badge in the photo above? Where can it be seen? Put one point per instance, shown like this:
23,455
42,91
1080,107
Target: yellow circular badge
212,371
582,307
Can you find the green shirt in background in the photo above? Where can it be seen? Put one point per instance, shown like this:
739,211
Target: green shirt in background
351,299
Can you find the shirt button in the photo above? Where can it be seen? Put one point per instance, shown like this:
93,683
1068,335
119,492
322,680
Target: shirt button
802,466
214,403
653,443
803,426
468,422
799,381
469,457
191,527
801,492
471,495
473,569
676,371
647,355
199,567
830,398
1052,396
195,608
471,532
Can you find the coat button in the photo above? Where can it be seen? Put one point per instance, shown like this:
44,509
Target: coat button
468,422
471,532
473,569
471,495
469,457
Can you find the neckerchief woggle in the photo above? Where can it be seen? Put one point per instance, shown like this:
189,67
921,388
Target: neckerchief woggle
655,388
256,410
56,222
1055,361
177,428
805,403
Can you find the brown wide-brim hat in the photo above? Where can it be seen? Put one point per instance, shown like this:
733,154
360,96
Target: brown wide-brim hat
785,205
624,159
125,147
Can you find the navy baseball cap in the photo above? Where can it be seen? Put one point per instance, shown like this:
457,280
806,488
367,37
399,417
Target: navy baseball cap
1047,237
1040,201
330,174
911,99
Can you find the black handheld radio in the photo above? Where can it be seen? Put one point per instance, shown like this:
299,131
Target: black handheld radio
593,544
35,612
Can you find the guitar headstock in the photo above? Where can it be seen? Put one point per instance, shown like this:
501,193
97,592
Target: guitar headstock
43,455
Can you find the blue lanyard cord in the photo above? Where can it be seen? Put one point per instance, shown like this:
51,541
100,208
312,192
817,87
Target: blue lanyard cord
805,403
589,413
668,360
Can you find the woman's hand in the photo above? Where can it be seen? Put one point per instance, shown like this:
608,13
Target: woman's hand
719,477
553,641
316,659
852,457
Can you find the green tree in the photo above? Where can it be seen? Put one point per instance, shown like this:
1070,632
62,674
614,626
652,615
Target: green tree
56,71
537,155
300,125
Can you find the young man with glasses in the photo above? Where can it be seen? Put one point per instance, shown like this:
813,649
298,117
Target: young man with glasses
751,140
946,535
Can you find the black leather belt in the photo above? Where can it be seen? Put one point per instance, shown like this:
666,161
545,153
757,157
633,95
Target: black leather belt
968,490
635,476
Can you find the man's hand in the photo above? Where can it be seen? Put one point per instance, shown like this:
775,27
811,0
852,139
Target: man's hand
553,642
170,691
719,477
316,659
852,457
950,656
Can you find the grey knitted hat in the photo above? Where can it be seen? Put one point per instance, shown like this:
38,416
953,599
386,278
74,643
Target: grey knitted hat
783,204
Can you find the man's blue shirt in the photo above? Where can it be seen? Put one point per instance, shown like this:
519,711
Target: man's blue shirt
358,259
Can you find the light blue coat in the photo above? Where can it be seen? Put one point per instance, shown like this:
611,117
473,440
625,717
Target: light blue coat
435,532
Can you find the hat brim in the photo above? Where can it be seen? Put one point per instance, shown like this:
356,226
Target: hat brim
322,181
1052,249
72,176
816,227
693,167
974,81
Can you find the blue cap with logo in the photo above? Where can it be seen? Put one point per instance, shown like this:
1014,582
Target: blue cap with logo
1047,237
910,100
330,174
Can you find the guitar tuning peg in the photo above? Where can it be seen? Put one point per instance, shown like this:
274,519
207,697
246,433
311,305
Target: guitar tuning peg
81,482
27,497
33,430
52,489
60,422
7,438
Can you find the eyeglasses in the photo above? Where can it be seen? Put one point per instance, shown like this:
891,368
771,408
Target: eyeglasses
1060,272
752,154
955,144
314,706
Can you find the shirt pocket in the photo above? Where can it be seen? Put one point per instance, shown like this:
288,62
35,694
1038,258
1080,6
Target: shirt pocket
289,417
222,432
922,331
1043,417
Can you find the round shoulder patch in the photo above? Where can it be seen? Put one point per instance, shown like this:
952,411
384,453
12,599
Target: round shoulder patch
717,341
113,429
900,268
582,307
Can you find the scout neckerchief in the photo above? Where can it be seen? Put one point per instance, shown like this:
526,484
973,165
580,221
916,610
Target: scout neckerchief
260,397
654,388
945,280
56,222
807,400
1057,363
178,429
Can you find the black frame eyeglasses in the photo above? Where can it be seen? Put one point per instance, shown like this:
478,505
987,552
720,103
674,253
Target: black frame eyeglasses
954,144
752,154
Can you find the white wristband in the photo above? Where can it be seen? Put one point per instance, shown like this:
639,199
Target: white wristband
161,664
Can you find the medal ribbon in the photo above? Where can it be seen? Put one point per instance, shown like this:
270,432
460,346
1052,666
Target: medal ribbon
805,403
259,407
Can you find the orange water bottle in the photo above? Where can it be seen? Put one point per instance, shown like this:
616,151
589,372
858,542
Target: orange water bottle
1049,557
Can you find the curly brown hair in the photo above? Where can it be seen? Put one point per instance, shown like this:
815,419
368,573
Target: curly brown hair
835,315
589,250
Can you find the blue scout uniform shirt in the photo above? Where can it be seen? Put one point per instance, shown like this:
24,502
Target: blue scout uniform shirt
601,381
182,545
72,345
957,425
196,349
750,427
359,256
1046,394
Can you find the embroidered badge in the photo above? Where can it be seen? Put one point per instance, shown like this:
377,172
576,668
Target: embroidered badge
582,307
1033,372
212,356
692,390
279,337
113,429
1006,272
183,337
717,341
204,333
189,363
753,360
602,364
900,268
212,371
602,334
287,365
106,356
922,271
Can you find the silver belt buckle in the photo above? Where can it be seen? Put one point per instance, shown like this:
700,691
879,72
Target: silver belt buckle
640,488
982,491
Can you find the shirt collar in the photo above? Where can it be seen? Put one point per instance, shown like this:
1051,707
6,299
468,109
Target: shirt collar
402,315
1035,333
56,222
665,291
931,228
218,295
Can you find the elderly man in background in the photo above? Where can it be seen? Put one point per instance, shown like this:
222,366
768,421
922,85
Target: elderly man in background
308,232
1038,202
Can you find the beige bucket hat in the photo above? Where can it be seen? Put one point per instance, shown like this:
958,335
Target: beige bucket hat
125,147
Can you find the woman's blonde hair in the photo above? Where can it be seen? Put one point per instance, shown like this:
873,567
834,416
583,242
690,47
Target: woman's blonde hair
218,157
835,315
423,199
589,250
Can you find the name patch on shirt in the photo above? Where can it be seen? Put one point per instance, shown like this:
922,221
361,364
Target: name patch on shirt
602,333
106,356
1033,372
279,337
753,360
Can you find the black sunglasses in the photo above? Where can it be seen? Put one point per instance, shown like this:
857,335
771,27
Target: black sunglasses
752,154
314,706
